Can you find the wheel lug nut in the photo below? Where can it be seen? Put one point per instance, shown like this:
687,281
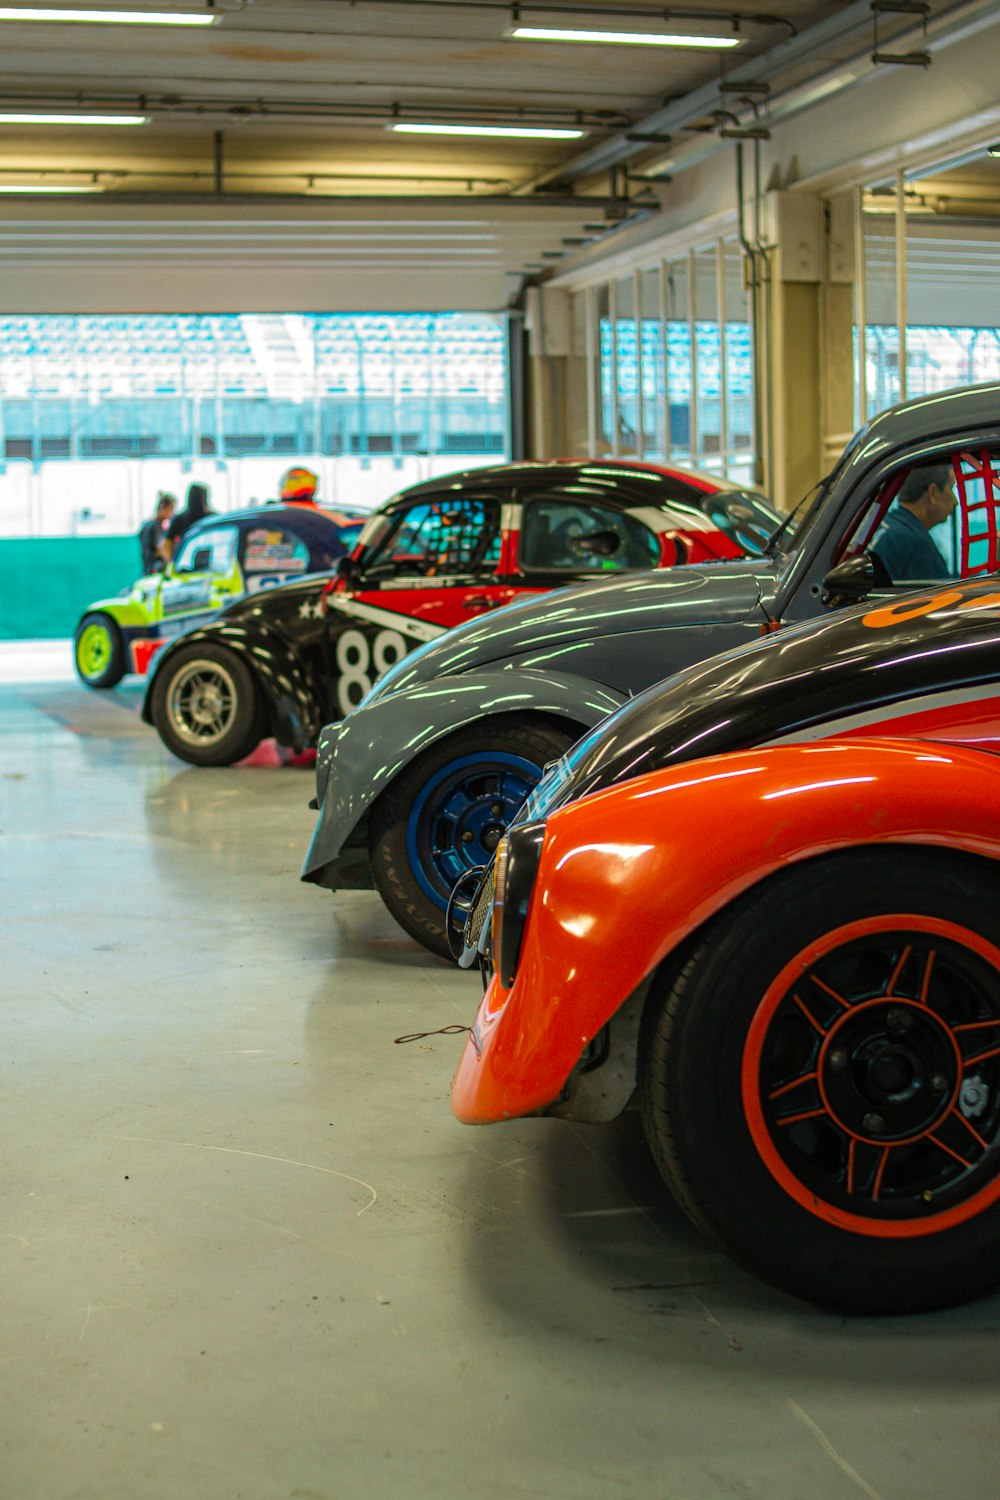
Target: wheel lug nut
897,1021
497,809
838,1060
467,836
937,1083
874,1124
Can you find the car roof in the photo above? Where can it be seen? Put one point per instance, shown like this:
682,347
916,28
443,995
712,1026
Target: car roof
504,476
304,520
966,414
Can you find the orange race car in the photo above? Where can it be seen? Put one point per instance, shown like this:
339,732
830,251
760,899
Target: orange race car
790,953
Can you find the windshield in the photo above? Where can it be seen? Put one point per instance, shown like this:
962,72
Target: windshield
793,530
372,532
746,516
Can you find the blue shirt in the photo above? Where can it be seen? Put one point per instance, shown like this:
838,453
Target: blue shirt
906,549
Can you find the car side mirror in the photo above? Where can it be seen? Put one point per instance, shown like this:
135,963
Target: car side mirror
853,579
202,560
596,544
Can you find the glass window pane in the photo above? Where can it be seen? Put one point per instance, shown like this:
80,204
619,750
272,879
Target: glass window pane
679,360
579,397
708,354
654,435
627,367
220,545
606,366
738,374
882,341
583,536
441,536
272,550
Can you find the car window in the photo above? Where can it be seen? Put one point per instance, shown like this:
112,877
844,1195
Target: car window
561,534
745,516
934,520
439,536
272,549
218,541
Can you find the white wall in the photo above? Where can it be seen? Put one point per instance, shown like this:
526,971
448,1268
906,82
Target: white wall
96,497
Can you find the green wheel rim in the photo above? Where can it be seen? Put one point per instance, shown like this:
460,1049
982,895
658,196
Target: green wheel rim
93,650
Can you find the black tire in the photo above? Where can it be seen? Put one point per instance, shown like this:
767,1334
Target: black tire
99,651
206,706
837,1186
492,760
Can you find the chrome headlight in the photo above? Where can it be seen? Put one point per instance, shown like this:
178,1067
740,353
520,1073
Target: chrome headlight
515,869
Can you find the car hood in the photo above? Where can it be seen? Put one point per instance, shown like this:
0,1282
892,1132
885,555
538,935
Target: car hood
706,594
837,675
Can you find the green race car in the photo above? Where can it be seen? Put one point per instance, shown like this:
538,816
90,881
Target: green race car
219,560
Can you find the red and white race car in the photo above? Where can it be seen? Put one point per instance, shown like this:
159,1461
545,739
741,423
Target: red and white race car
287,662
448,549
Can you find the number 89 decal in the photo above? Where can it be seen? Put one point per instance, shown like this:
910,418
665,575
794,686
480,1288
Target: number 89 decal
361,659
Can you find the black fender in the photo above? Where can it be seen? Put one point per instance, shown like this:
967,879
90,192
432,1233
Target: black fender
290,676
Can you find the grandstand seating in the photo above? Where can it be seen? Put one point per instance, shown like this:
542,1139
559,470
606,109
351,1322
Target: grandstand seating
176,384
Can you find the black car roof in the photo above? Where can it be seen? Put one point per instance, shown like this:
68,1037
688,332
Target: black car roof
309,524
503,477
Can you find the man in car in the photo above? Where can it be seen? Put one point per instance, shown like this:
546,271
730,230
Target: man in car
298,487
903,542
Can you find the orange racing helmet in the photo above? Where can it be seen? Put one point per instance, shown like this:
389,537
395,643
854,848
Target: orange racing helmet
298,485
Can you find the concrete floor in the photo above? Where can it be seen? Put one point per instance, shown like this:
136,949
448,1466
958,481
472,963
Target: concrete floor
246,1252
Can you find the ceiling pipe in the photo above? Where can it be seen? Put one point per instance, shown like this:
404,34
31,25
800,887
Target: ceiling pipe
609,12
680,114
315,112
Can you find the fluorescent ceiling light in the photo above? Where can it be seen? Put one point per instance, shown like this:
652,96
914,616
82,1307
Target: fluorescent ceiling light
531,132
23,117
45,188
623,38
100,17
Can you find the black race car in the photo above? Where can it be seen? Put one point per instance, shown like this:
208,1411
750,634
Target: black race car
436,555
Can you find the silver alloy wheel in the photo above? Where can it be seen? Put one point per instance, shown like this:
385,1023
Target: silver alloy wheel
201,702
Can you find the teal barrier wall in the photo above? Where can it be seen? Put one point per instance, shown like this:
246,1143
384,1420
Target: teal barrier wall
46,582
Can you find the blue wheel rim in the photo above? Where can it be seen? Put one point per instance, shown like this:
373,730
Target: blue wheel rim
474,795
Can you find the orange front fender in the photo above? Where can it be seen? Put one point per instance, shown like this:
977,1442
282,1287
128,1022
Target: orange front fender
627,874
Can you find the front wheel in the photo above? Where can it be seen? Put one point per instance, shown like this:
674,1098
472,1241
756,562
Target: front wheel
820,1082
99,651
446,813
206,706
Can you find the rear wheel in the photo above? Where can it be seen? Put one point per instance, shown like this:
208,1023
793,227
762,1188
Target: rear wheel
206,706
99,651
820,1083
446,813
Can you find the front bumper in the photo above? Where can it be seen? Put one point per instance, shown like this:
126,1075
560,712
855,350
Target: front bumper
505,1070
340,788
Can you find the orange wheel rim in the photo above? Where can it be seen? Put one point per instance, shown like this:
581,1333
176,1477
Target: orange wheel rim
870,1076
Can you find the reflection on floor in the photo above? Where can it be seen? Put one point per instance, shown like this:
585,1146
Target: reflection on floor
247,1252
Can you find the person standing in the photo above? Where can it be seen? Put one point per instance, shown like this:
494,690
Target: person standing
196,506
152,541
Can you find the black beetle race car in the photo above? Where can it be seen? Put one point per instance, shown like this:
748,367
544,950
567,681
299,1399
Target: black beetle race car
441,552
419,783
765,899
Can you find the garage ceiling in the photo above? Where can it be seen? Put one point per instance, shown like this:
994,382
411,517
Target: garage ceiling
268,138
